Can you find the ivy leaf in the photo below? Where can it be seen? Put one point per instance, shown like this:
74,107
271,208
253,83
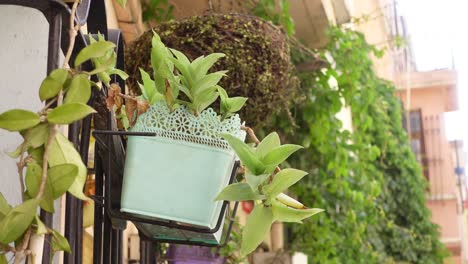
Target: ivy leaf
62,151
17,221
79,91
269,143
279,154
4,207
69,113
284,213
238,192
49,88
282,181
59,243
245,153
41,228
255,180
256,228
95,50
18,119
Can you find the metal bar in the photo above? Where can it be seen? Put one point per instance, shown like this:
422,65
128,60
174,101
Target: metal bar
98,208
116,250
122,133
55,26
147,255
107,247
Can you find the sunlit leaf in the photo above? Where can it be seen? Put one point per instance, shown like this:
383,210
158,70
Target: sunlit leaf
4,207
148,89
245,153
59,243
256,228
282,181
201,67
33,181
61,177
69,113
18,119
49,88
279,154
36,136
79,91
41,228
238,192
94,50
284,213
17,221
269,143
255,180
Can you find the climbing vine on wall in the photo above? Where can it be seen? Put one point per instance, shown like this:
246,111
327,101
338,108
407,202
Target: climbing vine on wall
368,181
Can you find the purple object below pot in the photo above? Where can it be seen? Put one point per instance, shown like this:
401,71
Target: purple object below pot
185,254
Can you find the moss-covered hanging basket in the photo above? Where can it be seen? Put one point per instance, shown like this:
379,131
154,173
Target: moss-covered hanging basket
257,58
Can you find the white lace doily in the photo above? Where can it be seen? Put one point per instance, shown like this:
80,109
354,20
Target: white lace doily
182,125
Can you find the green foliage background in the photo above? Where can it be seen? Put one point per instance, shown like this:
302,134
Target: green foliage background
368,181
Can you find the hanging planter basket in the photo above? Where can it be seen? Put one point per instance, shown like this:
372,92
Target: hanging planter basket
176,174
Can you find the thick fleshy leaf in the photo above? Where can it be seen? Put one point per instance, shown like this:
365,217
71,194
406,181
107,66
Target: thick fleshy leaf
17,221
279,154
60,75
4,207
49,88
119,72
282,181
284,213
18,119
269,143
95,50
256,228
33,182
245,153
59,243
149,87
236,103
238,192
204,99
69,113
36,136
208,81
289,201
41,228
79,91
62,151
202,66
61,177
255,180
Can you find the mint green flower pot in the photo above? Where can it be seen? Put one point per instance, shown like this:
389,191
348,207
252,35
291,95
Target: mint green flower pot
177,174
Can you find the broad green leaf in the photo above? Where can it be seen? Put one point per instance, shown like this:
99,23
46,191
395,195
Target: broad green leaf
36,136
94,50
62,151
18,119
201,67
238,192
236,103
284,213
269,143
119,72
204,99
4,207
181,57
279,154
69,113
282,181
148,89
17,221
61,177
208,81
254,181
104,77
41,228
3,259
245,153
256,228
59,243
37,154
49,88
33,182
105,63
61,76
79,91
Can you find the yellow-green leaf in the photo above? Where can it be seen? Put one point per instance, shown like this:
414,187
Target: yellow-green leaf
33,182
284,213
49,88
3,259
36,136
61,177
17,221
238,192
255,180
79,91
95,50
59,243
283,180
4,207
41,228
18,119
245,153
62,151
256,228
60,75
278,155
268,144
69,113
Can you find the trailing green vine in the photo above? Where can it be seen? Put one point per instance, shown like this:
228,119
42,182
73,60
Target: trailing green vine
367,180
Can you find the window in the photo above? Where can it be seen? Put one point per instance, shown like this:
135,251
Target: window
416,135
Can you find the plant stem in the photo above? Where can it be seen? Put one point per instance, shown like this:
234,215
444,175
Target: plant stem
45,159
20,166
72,33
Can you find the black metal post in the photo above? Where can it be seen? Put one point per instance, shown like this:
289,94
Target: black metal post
147,254
98,206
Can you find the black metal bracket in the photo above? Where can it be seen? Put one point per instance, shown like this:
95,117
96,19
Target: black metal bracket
112,206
